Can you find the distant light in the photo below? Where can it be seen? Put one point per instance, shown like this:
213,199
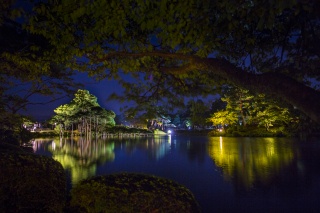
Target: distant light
169,131
53,145
220,130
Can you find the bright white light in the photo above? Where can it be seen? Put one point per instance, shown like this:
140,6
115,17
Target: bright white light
53,145
169,131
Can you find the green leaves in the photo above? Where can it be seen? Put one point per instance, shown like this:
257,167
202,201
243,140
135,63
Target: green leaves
247,109
102,37
82,109
223,118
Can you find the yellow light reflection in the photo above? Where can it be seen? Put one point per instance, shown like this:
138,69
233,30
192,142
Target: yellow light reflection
247,161
79,156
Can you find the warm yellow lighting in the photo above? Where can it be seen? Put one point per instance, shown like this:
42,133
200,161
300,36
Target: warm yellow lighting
80,156
249,161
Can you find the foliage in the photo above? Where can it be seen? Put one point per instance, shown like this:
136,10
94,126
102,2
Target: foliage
25,71
9,136
127,192
273,115
198,113
239,101
249,111
224,118
173,50
15,134
30,183
84,112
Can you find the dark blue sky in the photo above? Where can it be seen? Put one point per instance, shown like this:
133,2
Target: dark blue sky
101,89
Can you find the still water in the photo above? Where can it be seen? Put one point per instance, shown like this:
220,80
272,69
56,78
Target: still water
224,174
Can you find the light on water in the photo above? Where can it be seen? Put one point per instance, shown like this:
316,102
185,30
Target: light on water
225,174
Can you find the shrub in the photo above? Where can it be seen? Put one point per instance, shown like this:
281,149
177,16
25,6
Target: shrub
131,193
9,136
30,183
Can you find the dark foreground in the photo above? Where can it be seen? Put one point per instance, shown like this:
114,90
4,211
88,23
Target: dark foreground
33,183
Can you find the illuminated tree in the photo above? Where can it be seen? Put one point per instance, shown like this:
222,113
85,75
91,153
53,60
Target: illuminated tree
224,118
269,113
102,118
86,113
257,110
64,117
239,101
174,48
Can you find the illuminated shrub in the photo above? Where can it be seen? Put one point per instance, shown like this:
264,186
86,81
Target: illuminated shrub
131,193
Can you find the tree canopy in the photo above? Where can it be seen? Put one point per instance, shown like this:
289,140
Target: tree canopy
84,113
188,47
25,71
246,109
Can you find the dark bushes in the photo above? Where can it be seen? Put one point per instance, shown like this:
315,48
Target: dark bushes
30,183
131,193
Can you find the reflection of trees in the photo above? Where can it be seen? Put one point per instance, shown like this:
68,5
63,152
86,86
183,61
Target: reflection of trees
81,156
248,162
156,147
194,148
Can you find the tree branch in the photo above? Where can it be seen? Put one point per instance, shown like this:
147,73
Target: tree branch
278,85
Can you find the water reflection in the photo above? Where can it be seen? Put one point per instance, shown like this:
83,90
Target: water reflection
78,156
251,162
81,157
195,149
225,174
156,147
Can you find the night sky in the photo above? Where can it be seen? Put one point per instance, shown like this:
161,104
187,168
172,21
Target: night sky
101,89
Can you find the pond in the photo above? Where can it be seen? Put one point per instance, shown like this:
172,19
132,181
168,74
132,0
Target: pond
224,174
